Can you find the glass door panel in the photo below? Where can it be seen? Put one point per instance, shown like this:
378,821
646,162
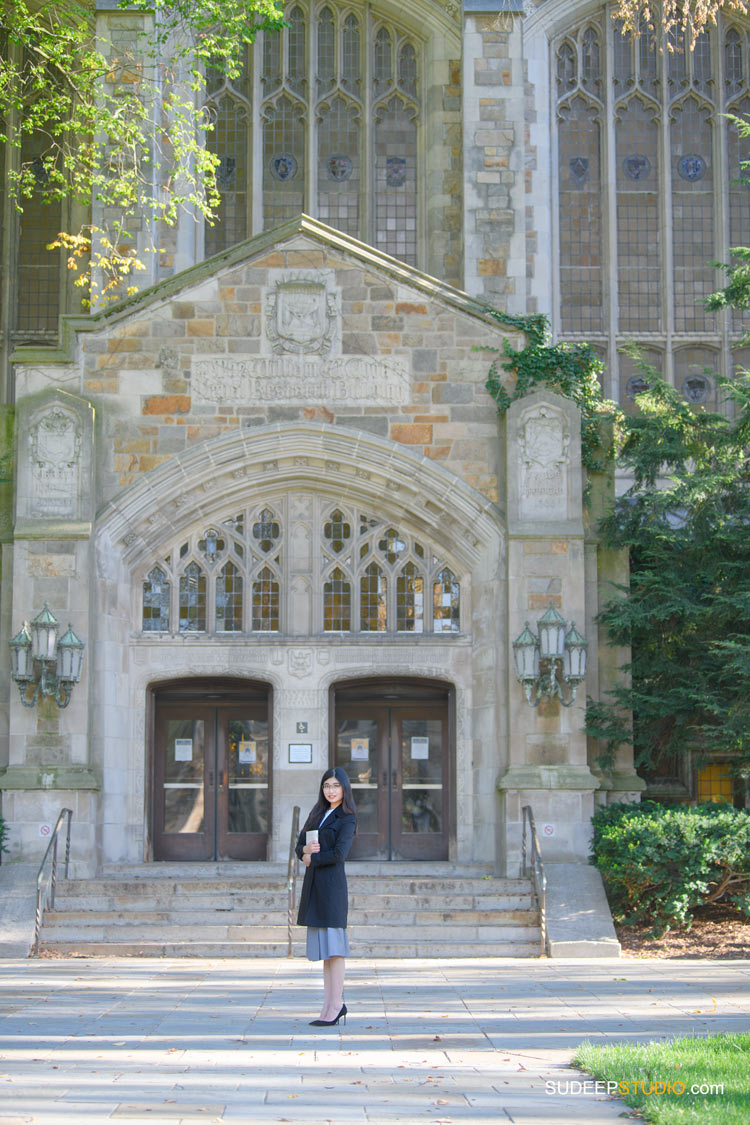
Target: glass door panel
211,789
397,760
183,785
244,786
419,832
359,750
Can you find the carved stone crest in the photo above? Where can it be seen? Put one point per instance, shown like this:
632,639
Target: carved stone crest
545,441
55,447
300,662
302,315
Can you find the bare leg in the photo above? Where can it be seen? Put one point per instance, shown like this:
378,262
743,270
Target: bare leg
335,987
326,990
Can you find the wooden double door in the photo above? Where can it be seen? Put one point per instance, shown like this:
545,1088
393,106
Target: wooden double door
211,776
395,746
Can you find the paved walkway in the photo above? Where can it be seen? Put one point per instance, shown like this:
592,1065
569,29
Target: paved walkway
437,1041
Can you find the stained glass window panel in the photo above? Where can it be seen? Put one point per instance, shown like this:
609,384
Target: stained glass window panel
193,599
339,166
693,233
229,141
446,603
638,219
156,602
266,602
337,603
410,600
580,219
372,600
396,180
283,161
229,600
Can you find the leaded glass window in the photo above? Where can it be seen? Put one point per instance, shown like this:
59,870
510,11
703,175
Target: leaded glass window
193,599
156,602
650,193
410,600
331,106
296,566
337,603
266,602
229,600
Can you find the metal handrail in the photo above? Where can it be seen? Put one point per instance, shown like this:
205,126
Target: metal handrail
536,870
292,877
51,849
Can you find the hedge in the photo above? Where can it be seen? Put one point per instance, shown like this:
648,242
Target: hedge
660,862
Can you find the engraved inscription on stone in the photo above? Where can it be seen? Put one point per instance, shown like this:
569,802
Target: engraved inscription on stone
348,380
55,447
544,459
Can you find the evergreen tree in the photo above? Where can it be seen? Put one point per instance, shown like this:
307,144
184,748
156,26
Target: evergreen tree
686,523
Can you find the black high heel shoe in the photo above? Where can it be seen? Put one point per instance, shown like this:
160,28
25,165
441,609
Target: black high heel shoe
330,1023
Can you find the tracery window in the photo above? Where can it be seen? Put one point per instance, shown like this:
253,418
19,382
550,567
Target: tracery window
331,107
649,191
372,576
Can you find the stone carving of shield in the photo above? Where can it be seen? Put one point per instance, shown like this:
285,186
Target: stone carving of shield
301,312
545,442
636,167
395,171
579,167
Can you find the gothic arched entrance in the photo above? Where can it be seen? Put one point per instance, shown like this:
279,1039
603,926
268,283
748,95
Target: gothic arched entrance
211,775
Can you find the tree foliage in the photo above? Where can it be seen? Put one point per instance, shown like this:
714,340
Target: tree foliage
686,522
119,123
676,17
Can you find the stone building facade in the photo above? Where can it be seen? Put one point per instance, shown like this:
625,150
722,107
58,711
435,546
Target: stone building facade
271,492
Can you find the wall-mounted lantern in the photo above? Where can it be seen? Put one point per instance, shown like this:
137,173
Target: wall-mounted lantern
547,662
39,660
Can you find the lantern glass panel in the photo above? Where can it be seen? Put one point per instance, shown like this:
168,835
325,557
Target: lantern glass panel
552,640
20,662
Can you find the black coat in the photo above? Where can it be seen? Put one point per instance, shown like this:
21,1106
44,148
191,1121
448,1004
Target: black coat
324,900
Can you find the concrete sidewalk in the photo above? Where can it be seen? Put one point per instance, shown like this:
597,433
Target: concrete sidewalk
441,1041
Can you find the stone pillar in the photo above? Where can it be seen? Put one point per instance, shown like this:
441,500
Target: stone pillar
48,765
548,766
493,131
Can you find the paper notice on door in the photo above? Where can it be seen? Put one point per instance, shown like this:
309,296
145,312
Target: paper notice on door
246,753
420,749
360,749
183,749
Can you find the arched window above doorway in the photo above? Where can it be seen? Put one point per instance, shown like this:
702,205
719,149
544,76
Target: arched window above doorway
299,565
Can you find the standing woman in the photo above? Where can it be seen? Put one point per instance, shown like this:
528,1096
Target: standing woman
324,903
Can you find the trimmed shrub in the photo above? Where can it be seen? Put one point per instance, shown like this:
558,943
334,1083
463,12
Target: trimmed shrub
3,834
659,862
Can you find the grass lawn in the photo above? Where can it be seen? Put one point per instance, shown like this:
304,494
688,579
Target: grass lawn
643,1070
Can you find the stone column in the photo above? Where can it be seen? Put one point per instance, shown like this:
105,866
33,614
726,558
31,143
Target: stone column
493,132
548,767
49,561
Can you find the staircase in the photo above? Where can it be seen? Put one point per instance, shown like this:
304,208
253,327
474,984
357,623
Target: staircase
240,910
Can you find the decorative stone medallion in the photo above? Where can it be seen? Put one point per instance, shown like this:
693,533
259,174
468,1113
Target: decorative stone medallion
696,388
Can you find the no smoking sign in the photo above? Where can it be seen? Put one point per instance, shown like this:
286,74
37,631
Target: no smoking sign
45,830
548,830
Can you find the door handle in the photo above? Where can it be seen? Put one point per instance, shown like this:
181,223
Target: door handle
385,779
210,779
394,779
221,779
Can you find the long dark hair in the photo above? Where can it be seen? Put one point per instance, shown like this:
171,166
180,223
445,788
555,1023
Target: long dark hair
322,805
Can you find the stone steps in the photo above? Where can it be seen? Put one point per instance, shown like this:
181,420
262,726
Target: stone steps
240,910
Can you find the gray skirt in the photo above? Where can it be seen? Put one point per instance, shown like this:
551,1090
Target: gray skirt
325,943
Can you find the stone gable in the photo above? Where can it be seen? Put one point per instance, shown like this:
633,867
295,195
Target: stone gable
308,329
